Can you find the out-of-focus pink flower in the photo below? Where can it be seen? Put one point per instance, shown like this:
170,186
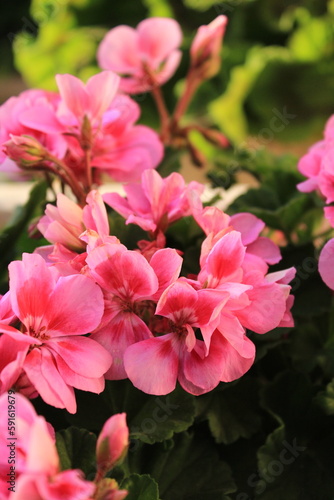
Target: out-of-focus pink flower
326,264
156,203
113,442
12,114
205,48
24,150
145,56
37,467
55,313
93,117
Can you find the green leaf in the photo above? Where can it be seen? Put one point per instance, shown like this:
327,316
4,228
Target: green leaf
160,417
76,449
188,468
232,410
140,487
325,399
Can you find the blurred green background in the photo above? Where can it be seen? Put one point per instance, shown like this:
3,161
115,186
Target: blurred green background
277,59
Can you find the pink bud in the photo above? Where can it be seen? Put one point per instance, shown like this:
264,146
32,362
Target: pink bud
205,49
108,489
112,442
24,150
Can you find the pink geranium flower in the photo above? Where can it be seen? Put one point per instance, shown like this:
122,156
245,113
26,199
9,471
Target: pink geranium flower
66,222
145,56
156,203
55,312
93,117
130,286
176,354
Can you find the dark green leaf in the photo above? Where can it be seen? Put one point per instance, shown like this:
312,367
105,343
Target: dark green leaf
140,487
232,411
76,449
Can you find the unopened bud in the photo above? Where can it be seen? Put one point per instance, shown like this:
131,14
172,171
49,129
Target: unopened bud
25,150
112,443
205,48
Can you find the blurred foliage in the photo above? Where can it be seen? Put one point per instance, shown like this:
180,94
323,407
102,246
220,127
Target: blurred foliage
276,53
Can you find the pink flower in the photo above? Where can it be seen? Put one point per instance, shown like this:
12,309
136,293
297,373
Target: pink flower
156,203
206,46
12,123
326,260
113,442
92,117
66,222
37,467
176,353
130,286
55,313
144,56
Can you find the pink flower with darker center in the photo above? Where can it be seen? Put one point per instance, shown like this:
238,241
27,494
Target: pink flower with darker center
55,314
145,56
177,353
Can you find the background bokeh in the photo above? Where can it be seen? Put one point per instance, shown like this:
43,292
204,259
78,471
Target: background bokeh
278,54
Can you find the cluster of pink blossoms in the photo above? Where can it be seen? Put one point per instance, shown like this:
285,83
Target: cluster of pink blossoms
78,134
145,321
36,473
318,166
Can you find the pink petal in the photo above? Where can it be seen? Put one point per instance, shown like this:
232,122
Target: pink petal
236,363
43,119
225,258
123,330
178,303
41,370
12,356
118,50
326,264
248,225
152,365
267,307
266,249
75,307
31,284
73,379
201,373
170,66
42,456
167,265
68,484
84,355
95,214
128,275
101,89
157,38
74,94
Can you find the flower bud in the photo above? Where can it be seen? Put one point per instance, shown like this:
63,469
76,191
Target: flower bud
24,150
112,443
107,489
205,48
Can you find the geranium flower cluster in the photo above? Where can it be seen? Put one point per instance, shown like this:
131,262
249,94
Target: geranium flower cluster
37,473
145,321
318,166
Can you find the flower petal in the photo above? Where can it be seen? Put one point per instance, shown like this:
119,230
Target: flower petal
152,365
